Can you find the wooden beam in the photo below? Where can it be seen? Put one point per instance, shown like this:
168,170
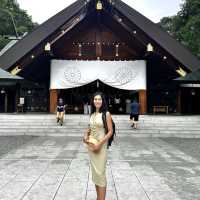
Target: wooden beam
53,100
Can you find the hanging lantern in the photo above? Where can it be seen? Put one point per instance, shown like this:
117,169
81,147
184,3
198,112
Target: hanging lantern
47,47
99,5
117,50
79,50
164,57
3,91
134,32
193,93
149,47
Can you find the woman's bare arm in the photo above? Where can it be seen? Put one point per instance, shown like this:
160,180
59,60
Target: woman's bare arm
86,134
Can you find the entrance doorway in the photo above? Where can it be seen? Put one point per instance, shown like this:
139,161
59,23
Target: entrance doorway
118,100
190,98
7,100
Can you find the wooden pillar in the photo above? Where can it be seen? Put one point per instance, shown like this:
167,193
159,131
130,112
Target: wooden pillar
53,100
179,101
143,101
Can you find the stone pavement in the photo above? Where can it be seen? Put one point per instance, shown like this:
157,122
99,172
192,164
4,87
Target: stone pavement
57,168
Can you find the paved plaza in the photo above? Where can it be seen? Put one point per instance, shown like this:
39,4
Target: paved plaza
57,168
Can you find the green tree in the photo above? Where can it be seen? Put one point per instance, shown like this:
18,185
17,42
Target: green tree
185,26
22,20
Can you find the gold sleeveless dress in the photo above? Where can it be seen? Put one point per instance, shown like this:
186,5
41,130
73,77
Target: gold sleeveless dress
98,160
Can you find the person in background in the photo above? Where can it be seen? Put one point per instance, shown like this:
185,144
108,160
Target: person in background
128,105
134,115
60,111
85,104
117,102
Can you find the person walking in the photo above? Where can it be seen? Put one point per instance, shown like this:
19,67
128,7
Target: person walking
60,111
134,115
96,140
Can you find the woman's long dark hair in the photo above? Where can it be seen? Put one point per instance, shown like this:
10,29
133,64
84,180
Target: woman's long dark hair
103,108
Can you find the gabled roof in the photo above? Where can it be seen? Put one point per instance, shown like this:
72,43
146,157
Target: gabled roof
162,38
31,40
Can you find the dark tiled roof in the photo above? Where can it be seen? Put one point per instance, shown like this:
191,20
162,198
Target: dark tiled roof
178,51
31,40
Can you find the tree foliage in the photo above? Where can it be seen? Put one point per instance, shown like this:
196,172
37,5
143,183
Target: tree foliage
185,26
22,20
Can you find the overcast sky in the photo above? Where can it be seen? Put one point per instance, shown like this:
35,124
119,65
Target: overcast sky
41,10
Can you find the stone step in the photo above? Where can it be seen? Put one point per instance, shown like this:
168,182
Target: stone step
75,125
39,122
85,117
120,127
177,135
121,123
84,126
118,131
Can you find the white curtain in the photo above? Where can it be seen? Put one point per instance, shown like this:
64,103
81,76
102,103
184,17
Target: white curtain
127,75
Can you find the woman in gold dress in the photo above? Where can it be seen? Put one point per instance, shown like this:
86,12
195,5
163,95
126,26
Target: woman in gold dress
96,139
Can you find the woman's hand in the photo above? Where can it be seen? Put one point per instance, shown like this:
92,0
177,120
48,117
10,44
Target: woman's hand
96,147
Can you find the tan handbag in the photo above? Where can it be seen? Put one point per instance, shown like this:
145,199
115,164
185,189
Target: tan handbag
92,141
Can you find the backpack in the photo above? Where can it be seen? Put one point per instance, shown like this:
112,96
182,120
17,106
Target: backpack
106,129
